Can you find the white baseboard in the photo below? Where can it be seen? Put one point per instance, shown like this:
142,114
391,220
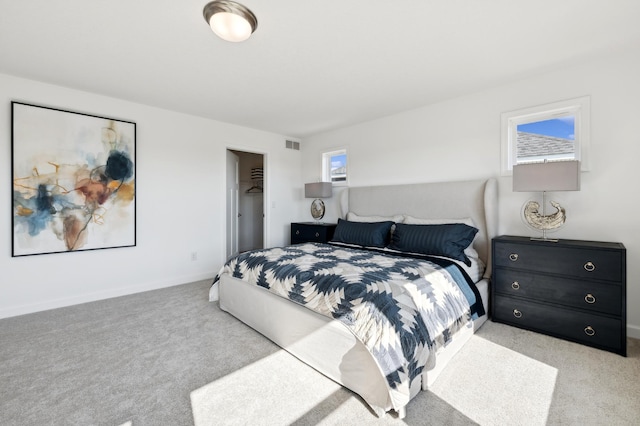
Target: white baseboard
101,295
633,331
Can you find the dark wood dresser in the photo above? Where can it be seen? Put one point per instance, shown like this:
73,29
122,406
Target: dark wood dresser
574,290
312,232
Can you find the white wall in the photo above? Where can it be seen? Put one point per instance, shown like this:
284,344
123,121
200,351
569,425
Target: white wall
180,188
460,139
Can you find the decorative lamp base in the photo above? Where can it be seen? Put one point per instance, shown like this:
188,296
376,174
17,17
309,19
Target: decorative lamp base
317,209
542,222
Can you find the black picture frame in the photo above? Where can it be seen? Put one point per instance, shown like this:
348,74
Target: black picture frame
74,181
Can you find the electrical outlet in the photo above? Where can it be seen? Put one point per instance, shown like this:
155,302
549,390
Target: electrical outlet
194,256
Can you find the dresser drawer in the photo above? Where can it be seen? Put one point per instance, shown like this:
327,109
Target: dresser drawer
557,259
311,232
587,295
577,326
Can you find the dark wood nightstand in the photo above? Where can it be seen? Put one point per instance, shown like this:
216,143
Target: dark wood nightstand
305,232
574,290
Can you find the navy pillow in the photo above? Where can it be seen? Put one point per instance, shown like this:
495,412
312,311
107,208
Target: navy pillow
447,240
366,234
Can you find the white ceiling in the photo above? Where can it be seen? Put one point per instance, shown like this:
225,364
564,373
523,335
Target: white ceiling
311,66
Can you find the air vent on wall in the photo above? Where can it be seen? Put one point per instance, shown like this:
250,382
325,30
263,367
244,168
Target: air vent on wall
293,145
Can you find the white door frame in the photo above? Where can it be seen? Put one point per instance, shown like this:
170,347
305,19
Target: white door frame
232,185
265,195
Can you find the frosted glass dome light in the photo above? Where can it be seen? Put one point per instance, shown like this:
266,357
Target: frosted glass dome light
230,21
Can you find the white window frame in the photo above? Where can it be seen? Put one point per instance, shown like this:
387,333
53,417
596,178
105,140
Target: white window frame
578,107
326,166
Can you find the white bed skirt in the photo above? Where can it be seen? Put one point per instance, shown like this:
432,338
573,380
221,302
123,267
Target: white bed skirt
326,344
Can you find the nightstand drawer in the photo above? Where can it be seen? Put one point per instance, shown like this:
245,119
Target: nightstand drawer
577,326
558,259
588,295
311,232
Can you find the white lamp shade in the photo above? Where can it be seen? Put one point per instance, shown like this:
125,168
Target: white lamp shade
547,176
318,190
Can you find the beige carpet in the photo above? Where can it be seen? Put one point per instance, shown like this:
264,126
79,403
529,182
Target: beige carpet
168,357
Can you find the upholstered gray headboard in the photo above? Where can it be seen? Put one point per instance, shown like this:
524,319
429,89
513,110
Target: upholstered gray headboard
477,199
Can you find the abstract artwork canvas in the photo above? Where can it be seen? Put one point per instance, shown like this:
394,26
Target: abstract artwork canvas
73,181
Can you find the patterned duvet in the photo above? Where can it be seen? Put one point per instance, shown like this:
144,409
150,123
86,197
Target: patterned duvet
402,309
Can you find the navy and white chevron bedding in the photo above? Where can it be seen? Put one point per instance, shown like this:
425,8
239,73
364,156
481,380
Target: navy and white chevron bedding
402,309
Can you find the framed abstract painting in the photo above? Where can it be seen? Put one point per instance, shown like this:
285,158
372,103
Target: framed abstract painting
73,181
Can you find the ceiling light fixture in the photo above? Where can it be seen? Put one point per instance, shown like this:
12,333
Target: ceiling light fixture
230,21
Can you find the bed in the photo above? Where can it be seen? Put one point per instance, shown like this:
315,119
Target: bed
329,343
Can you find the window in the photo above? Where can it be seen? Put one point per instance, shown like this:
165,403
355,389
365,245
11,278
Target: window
334,167
558,131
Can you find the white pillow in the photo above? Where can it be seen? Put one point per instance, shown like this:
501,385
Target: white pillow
352,217
410,220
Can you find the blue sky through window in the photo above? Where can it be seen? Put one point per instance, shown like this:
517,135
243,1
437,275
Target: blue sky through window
563,127
338,161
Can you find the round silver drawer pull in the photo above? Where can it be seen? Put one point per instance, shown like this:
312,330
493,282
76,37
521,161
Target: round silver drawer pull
589,331
317,234
589,266
515,285
590,298
513,257
517,313
298,232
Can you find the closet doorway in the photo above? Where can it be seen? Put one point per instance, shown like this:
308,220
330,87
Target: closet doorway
245,201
